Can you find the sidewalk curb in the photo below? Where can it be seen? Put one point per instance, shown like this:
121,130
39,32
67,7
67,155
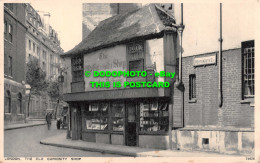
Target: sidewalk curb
61,141
95,149
12,128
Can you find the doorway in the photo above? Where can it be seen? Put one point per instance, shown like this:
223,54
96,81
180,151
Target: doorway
131,134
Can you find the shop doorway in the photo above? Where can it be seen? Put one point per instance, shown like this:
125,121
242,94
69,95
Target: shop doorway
131,134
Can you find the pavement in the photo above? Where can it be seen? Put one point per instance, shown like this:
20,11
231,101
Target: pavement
61,141
30,123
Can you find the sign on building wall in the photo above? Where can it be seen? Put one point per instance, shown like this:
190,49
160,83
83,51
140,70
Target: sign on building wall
109,59
201,61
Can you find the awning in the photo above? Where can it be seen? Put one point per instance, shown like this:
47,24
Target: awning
117,94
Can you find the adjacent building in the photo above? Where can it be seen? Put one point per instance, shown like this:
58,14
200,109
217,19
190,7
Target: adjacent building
209,105
14,62
26,35
42,42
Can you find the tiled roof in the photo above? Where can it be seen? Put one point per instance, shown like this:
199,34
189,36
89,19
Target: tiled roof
147,22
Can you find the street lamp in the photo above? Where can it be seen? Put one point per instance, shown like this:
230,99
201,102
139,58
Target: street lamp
28,92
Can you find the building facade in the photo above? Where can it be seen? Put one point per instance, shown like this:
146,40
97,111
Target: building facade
42,42
14,62
206,126
187,115
120,115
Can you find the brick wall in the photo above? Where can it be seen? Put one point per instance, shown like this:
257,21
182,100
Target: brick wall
205,111
16,48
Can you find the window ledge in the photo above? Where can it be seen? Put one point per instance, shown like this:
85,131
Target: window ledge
20,114
193,101
8,114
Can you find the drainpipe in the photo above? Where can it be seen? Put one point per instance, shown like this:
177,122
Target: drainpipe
180,31
170,51
220,97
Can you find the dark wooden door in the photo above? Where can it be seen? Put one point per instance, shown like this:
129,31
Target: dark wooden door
76,124
131,135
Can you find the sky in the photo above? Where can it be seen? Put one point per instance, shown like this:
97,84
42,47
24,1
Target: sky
66,19
201,21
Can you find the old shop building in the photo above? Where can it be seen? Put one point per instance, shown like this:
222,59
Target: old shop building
186,116
132,116
14,62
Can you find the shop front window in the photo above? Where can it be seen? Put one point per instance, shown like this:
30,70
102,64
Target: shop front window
97,116
154,116
118,116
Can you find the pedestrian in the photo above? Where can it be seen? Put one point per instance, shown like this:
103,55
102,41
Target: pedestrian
58,123
48,120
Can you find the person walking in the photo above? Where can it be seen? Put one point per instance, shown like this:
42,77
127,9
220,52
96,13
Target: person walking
48,120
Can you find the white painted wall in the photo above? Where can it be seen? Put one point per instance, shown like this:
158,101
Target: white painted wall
106,59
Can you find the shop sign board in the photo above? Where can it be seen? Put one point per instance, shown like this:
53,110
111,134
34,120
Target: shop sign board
109,59
208,60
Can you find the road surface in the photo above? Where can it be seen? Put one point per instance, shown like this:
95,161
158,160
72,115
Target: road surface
25,142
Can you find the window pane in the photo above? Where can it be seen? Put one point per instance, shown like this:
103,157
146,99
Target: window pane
248,69
192,85
117,116
154,116
7,107
77,69
136,65
10,28
10,65
5,26
97,117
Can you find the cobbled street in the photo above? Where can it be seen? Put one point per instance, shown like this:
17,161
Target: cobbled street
25,142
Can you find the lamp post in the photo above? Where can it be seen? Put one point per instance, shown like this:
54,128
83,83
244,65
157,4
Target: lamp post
28,92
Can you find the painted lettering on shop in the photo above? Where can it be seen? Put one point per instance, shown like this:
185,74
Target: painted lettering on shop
106,66
126,84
